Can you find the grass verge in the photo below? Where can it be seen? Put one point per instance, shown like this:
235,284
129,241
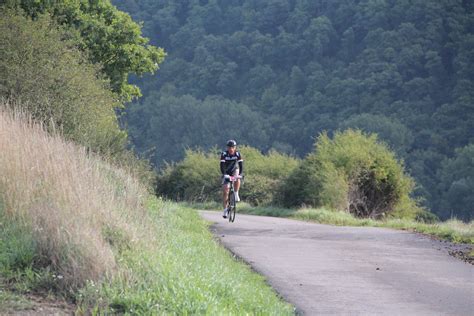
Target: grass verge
452,230
189,273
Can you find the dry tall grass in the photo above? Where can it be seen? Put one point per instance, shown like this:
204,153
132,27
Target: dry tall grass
73,202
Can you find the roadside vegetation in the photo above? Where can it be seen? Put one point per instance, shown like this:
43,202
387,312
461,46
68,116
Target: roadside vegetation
46,75
197,177
453,230
352,172
61,206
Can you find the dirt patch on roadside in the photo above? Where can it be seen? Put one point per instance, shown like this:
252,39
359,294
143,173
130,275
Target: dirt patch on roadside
464,253
38,305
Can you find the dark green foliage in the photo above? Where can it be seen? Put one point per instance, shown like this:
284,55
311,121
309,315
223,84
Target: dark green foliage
264,174
391,131
52,80
456,185
172,124
402,69
110,37
352,172
197,177
426,217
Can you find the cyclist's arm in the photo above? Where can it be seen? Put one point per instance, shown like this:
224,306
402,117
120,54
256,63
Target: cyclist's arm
241,166
222,164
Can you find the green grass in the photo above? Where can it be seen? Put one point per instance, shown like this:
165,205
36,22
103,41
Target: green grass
188,273
210,206
453,230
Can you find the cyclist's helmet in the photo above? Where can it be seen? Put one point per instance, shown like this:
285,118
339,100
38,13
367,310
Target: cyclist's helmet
231,143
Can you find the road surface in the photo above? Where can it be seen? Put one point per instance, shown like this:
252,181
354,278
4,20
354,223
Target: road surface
325,270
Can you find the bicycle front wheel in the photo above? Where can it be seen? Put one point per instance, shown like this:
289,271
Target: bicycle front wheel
232,207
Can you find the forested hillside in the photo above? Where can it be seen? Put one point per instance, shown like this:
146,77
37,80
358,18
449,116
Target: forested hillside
275,73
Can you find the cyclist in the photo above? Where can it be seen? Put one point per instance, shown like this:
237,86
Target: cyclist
232,165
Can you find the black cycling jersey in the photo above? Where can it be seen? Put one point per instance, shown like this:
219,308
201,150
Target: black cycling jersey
229,163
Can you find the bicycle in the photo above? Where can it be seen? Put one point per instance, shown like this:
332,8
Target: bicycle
231,203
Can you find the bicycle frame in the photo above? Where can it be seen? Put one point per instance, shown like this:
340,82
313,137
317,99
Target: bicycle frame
232,205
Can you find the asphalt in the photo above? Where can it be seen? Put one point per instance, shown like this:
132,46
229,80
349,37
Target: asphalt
330,270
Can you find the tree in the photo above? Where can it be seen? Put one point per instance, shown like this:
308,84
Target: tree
391,131
456,185
54,82
110,37
195,124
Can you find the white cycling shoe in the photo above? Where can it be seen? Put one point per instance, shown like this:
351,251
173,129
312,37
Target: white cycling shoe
225,213
237,198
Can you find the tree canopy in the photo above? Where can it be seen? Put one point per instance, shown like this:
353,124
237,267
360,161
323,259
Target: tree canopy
110,37
52,81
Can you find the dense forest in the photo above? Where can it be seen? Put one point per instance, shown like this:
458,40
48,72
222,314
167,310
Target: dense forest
274,74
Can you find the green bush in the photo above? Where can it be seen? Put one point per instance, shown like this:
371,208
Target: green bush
197,177
45,75
264,175
353,172
48,78
109,36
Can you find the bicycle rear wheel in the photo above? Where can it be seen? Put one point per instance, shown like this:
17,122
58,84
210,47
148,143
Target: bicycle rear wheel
232,206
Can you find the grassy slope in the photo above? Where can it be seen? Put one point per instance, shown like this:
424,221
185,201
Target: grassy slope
189,273
453,230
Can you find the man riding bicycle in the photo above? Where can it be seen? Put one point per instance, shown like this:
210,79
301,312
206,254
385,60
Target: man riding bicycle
231,164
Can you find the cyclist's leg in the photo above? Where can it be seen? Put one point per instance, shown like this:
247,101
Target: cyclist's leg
237,185
225,194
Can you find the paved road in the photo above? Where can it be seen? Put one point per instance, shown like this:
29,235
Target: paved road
325,269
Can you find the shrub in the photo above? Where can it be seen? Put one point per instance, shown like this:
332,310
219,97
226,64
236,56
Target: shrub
197,177
354,172
52,80
264,175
